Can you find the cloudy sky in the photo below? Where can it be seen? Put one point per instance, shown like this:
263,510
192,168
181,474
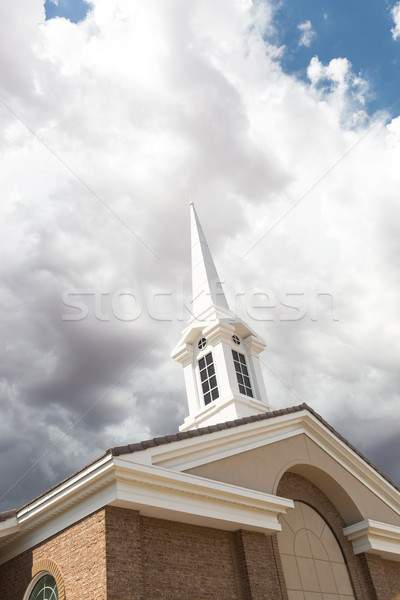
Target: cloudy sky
281,121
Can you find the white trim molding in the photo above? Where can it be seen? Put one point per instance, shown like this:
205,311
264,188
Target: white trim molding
9,526
165,494
375,538
152,490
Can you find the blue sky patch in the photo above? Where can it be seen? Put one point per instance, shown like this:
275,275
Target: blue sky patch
354,29
74,10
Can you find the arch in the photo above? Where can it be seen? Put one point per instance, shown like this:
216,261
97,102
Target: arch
329,486
298,488
312,559
43,566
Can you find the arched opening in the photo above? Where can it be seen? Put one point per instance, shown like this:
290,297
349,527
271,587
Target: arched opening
312,560
47,581
42,587
332,490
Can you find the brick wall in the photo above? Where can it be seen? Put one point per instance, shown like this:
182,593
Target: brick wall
150,559
261,569
78,551
15,576
385,576
184,561
123,554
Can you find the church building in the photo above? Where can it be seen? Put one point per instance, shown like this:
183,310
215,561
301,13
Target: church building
242,503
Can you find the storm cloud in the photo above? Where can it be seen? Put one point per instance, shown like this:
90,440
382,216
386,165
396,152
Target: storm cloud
108,128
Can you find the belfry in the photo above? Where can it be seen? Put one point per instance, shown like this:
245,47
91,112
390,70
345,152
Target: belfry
218,351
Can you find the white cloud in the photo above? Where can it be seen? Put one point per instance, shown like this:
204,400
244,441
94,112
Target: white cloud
148,103
307,33
345,90
395,12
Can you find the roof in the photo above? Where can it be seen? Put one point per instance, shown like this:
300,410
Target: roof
184,435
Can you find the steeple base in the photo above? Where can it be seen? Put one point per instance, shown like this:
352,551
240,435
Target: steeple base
222,410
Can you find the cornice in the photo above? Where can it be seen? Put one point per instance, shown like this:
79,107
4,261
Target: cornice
375,537
97,473
254,345
183,354
221,330
163,493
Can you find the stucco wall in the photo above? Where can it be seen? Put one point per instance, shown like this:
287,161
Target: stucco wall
262,468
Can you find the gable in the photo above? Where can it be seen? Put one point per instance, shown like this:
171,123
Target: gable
262,468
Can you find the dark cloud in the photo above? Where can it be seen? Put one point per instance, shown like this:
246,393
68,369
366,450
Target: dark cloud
133,113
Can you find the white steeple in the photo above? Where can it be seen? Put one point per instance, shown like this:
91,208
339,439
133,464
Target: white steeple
218,351
206,285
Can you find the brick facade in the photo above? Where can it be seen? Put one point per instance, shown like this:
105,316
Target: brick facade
116,554
79,553
261,569
184,561
385,577
123,554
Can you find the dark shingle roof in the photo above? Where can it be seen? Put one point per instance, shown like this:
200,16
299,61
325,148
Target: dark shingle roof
185,435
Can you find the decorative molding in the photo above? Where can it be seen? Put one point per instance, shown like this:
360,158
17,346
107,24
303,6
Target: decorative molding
375,537
167,494
184,354
9,526
218,331
94,476
254,344
50,566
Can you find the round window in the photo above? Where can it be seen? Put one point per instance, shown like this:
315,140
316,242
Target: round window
202,343
236,340
45,589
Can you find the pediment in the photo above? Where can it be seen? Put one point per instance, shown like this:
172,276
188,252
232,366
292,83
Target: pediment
255,455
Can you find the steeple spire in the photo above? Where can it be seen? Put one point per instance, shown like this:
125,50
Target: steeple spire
206,285
218,351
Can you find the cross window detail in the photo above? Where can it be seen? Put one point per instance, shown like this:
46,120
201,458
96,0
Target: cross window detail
208,378
242,373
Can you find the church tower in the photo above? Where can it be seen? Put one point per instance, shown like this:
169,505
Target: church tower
218,351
